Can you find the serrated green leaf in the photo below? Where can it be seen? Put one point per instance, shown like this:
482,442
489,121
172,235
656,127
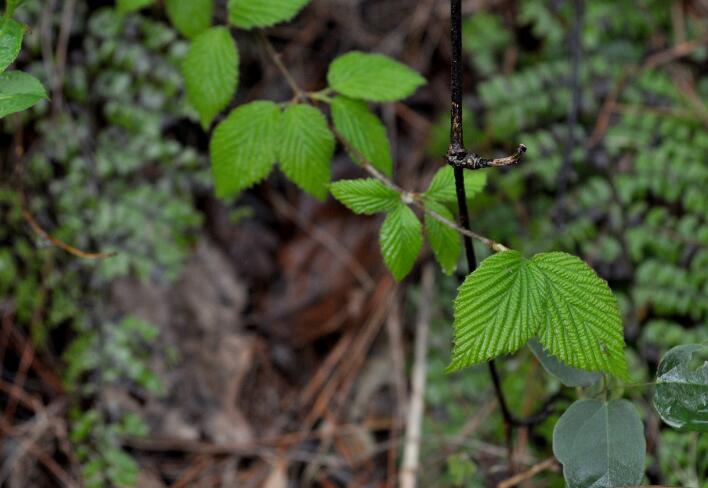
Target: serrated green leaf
444,240
259,13
567,375
365,196
581,325
497,309
600,444
442,186
372,77
211,72
364,131
306,149
19,91
127,6
681,395
244,147
192,17
401,240
555,296
11,34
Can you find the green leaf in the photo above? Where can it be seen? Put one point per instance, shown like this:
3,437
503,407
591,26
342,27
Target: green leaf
306,149
19,91
442,186
11,34
244,147
259,13
600,444
192,17
581,325
365,196
681,395
401,240
497,309
127,6
554,296
444,240
364,132
372,77
567,375
211,72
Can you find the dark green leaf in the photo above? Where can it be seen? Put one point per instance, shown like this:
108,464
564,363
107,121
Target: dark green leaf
681,395
600,444
567,375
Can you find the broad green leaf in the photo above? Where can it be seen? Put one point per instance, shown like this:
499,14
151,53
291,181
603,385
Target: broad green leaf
211,72
567,375
364,132
444,240
497,309
260,13
600,444
127,6
192,17
442,186
244,147
681,395
306,148
365,196
11,34
19,91
372,77
554,296
401,240
581,325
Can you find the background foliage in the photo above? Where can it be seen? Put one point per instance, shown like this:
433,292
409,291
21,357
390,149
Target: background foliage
116,160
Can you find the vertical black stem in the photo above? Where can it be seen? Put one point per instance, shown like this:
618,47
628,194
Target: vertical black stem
457,147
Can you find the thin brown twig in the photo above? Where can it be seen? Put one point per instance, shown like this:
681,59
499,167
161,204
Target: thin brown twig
74,251
273,54
529,473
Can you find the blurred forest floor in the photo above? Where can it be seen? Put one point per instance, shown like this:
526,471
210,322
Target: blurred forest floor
261,342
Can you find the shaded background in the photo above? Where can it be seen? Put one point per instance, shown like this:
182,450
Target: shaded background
260,341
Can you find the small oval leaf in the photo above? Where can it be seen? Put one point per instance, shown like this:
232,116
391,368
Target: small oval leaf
372,77
600,444
211,72
19,91
681,395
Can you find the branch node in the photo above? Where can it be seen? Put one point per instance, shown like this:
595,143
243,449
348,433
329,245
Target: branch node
460,158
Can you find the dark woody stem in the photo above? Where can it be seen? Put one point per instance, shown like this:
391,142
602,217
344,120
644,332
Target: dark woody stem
460,159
